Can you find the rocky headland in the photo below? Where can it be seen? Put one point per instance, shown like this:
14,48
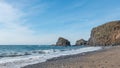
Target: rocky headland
106,34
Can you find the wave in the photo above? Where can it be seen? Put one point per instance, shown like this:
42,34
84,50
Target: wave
38,56
16,54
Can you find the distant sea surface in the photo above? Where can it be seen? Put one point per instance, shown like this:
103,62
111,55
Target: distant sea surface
15,56
23,50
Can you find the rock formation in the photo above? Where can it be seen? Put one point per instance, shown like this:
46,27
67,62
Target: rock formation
106,34
63,42
81,42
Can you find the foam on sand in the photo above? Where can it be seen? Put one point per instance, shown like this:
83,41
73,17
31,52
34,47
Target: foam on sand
18,62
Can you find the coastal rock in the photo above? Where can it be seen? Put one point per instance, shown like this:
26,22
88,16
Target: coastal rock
81,42
106,34
63,42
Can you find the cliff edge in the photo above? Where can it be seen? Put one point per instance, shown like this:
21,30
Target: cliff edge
106,34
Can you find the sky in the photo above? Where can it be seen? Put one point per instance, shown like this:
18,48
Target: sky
41,22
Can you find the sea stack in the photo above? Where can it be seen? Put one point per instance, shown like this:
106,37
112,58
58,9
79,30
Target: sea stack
106,34
81,42
63,42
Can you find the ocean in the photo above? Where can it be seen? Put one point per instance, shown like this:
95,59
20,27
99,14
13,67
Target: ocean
16,56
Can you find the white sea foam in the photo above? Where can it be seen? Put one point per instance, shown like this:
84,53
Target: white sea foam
18,62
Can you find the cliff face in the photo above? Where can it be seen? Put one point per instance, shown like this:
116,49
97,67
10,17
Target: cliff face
106,34
63,42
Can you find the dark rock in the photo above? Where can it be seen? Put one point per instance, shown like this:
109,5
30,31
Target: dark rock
53,44
81,42
63,42
106,34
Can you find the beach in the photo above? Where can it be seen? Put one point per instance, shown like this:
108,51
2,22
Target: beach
105,58
18,56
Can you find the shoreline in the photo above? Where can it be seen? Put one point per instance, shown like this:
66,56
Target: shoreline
19,62
66,58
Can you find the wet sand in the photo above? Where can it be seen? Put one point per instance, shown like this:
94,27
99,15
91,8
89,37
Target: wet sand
106,58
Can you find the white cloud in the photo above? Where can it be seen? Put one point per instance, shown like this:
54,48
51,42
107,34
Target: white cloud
12,28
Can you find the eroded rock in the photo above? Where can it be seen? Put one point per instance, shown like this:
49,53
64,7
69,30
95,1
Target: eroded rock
81,42
106,34
63,42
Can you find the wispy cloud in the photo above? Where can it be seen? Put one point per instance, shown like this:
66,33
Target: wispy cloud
77,4
12,29
42,22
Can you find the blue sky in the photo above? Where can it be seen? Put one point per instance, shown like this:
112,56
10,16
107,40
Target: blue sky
43,21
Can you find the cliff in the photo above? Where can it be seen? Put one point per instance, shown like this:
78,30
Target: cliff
106,34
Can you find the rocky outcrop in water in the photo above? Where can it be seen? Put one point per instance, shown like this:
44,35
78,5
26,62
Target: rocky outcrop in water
63,42
106,34
81,42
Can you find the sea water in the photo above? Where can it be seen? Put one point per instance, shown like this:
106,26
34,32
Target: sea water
16,56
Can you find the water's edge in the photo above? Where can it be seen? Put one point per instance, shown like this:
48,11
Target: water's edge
103,49
70,55
18,63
